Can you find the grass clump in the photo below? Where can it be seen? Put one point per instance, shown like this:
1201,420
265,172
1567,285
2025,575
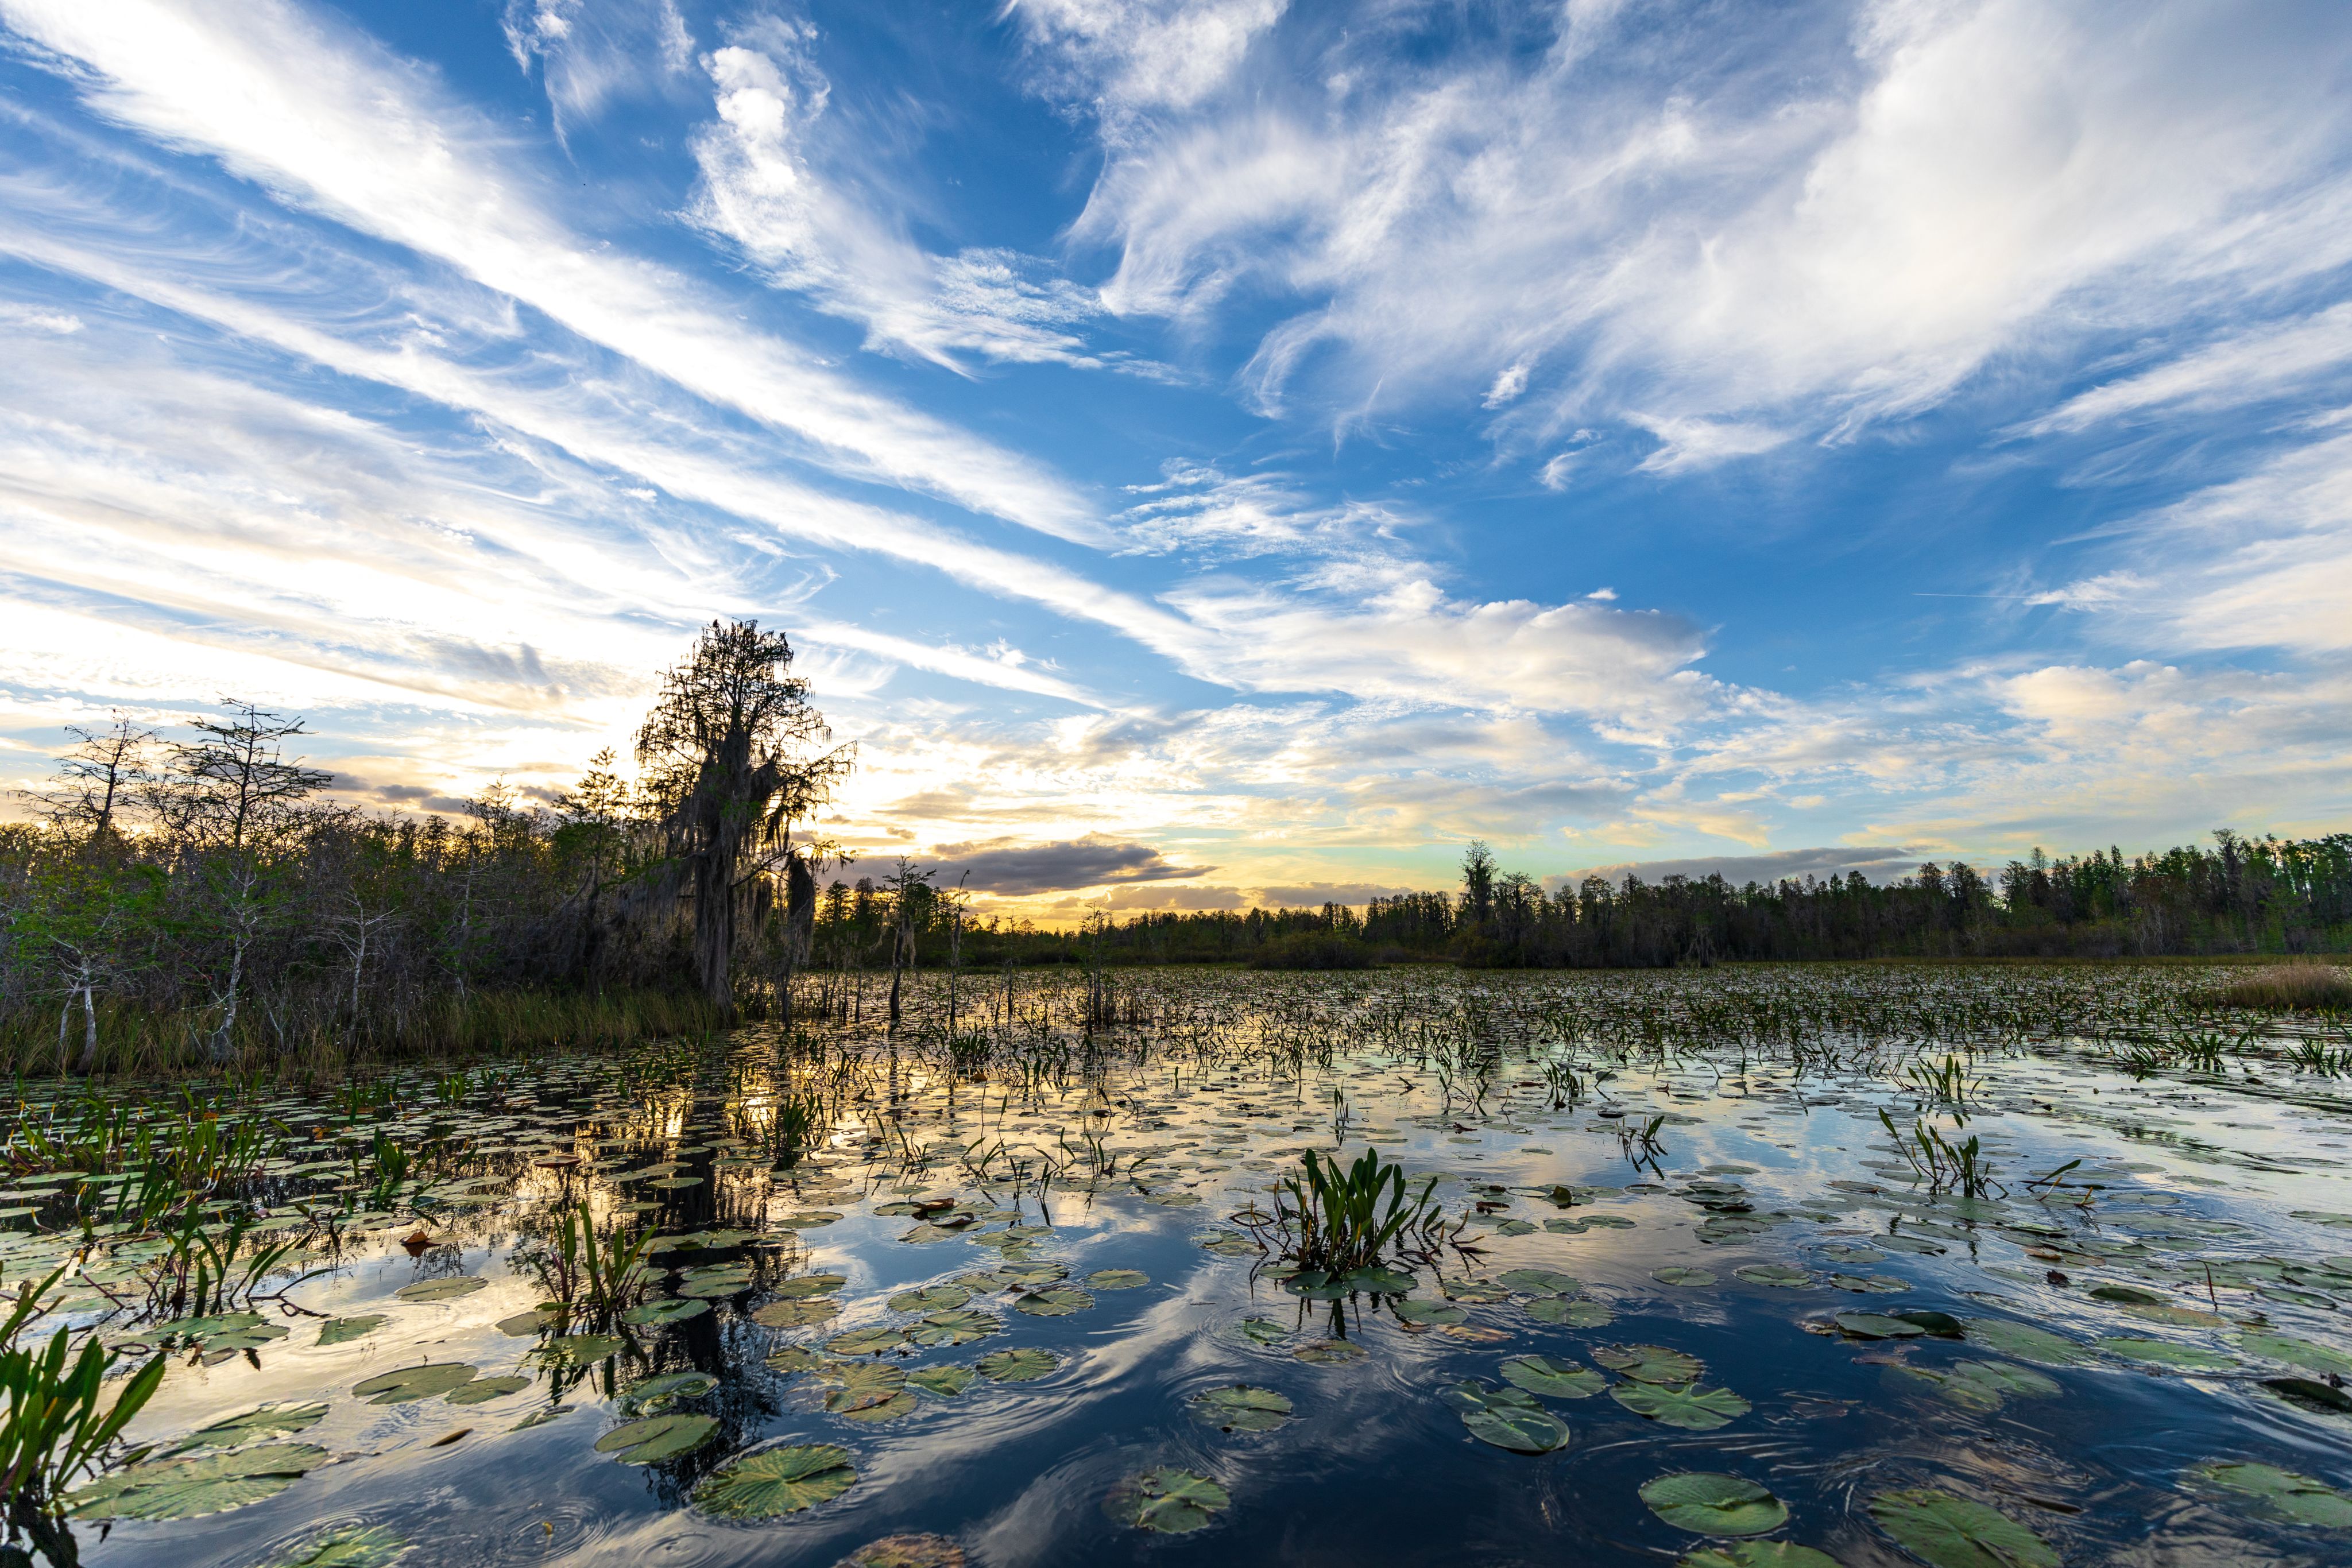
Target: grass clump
2290,988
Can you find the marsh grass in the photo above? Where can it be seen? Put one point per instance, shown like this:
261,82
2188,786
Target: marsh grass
2290,988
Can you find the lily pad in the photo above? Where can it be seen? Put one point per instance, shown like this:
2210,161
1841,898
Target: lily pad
1330,1351
1757,1554
797,1314
2280,1494
930,1299
905,1551
189,1489
581,1349
1650,1363
1553,1379
1987,1385
341,1330
1260,1330
811,1285
865,1341
946,1382
481,1390
1055,1303
1877,1325
1169,1501
412,1382
653,1439
441,1289
1953,1533
1378,1281
1540,1281
346,1546
1784,1275
1713,1504
1691,1408
1022,1365
1117,1279
1421,1311
1506,1417
649,1391
772,1482
1694,1278
2296,1351
662,1312
1577,1315
2164,1353
523,1326
941,1328
2025,1341
265,1421
1871,1284
1242,1408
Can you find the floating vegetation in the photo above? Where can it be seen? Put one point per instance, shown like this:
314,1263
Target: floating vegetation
1235,1214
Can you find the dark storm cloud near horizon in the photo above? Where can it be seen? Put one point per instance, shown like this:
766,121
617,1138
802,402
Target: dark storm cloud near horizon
1013,869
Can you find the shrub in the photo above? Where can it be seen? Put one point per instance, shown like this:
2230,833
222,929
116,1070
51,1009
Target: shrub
1314,950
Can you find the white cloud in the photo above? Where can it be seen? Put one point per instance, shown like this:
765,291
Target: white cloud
2266,361
592,52
327,121
1130,56
38,319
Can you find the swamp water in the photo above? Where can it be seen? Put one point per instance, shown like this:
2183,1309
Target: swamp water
1007,1297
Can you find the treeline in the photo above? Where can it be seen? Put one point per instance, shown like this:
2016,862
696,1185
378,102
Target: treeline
204,898
2242,896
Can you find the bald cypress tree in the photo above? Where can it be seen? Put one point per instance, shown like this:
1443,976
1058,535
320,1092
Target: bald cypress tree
733,756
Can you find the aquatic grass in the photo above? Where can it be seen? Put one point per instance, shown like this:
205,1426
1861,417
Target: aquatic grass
58,1428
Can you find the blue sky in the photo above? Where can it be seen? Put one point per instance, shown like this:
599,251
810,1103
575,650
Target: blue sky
1220,452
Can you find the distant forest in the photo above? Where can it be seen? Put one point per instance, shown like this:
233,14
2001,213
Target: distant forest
202,899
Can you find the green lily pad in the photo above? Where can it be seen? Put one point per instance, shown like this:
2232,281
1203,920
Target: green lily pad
649,1391
772,1482
1021,1366
1411,1310
664,1312
2164,1353
942,1329
1784,1275
1713,1504
482,1390
1694,1278
441,1289
859,1385
1118,1280
811,1285
715,1287
1330,1351
341,1330
1167,1501
1260,1330
946,1382
2025,1341
2310,1393
1691,1408
189,1489
1877,1325
2296,1353
899,1406
654,1439
523,1326
1650,1363
412,1383
233,1431
1986,1385
1242,1408
905,1551
798,1313
346,1546
2279,1494
1871,1284
1953,1533
1506,1417
2127,1295
1577,1315
1379,1280
930,1299
1554,1379
581,1349
1757,1554
1055,1303
865,1341
1540,1281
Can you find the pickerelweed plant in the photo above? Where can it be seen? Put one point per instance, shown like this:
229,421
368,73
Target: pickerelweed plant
1339,1219
56,1428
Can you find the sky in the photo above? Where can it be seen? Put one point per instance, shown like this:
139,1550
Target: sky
1217,453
